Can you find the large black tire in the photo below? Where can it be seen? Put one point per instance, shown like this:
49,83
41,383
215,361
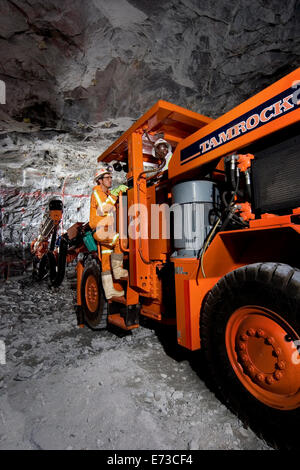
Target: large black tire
248,366
94,305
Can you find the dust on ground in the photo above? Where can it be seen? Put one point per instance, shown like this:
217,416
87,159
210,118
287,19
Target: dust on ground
63,387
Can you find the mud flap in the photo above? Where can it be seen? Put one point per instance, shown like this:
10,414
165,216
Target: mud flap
130,313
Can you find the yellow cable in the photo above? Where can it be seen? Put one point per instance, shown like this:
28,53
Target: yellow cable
206,245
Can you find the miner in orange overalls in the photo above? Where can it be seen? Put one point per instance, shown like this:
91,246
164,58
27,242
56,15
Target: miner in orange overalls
102,219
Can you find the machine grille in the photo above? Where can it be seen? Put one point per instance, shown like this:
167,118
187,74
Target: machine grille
276,176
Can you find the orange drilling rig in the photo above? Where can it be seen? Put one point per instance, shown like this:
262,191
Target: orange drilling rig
211,245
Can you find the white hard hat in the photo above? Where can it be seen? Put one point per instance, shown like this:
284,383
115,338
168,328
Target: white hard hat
103,171
161,141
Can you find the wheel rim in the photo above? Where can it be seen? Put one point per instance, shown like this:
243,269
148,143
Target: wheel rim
262,350
91,293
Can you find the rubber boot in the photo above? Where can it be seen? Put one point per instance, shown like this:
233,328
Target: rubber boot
117,266
108,286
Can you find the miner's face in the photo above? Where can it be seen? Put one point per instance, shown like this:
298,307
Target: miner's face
106,181
162,150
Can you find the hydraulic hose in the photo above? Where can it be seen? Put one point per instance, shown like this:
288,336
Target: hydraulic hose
248,184
53,239
61,262
205,248
225,223
234,176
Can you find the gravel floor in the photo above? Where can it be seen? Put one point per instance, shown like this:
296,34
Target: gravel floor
63,387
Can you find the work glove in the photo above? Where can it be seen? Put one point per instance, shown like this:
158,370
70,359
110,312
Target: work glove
121,187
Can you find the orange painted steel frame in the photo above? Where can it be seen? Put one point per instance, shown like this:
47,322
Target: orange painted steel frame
145,255
272,238
275,241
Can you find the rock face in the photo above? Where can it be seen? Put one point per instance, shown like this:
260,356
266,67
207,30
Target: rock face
37,166
78,72
74,61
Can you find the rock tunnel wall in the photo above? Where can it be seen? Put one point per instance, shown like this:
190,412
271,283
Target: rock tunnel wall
78,73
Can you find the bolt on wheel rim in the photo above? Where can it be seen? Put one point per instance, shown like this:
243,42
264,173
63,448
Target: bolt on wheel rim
91,293
262,350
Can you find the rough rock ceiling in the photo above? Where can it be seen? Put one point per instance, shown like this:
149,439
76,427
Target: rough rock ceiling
85,61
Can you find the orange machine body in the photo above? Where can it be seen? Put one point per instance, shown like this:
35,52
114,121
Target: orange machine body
274,108
199,145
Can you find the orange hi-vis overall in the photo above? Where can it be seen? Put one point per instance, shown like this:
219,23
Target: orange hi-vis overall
102,219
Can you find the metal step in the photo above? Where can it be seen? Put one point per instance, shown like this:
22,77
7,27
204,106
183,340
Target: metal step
120,300
117,320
